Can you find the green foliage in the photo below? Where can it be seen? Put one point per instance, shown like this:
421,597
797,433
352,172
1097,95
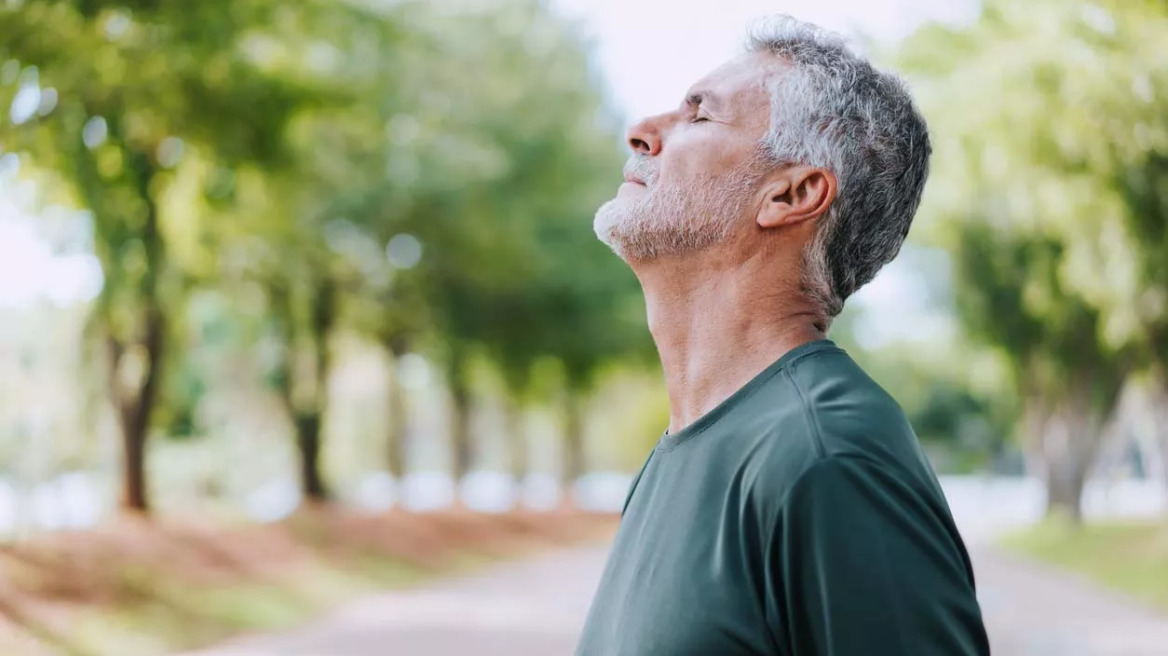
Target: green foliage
421,173
1016,182
1049,135
1048,193
140,93
133,108
515,266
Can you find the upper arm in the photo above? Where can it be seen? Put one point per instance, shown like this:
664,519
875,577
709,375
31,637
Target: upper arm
862,563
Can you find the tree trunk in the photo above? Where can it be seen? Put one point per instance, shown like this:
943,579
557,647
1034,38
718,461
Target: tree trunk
306,401
516,439
395,439
516,447
1158,397
134,495
1070,443
573,453
308,442
141,346
1065,480
135,399
1035,415
134,402
310,417
460,429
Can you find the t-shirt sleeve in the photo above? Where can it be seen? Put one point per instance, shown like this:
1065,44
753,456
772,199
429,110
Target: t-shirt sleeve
860,563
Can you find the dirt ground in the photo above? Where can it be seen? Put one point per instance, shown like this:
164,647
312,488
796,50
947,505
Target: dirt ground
166,565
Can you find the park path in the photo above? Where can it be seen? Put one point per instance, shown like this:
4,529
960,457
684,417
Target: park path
1032,609
531,608
536,608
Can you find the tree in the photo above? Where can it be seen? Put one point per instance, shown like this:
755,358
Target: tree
314,231
1135,267
120,101
511,267
1011,295
1036,206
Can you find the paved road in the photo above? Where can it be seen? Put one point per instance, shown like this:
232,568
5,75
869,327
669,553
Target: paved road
1034,610
533,608
536,608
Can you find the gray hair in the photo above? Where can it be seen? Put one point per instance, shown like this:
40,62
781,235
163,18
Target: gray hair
832,108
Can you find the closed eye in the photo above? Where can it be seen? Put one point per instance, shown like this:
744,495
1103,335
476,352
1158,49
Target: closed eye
694,102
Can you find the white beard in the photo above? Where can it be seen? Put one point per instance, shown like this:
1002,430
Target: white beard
668,220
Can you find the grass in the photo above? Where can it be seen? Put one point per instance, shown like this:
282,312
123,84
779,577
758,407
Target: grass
1131,558
178,616
139,588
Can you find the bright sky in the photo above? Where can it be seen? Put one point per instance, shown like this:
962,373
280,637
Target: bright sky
653,50
649,50
30,271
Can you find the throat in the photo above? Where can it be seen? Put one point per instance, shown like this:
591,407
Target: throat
708,356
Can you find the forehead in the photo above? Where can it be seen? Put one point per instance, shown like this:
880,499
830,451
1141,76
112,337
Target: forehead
741,83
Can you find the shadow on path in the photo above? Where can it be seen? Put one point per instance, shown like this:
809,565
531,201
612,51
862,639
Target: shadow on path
536,608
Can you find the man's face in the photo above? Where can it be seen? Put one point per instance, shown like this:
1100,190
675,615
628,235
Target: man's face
694,171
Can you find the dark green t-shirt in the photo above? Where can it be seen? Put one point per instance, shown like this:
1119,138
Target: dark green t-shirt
798,518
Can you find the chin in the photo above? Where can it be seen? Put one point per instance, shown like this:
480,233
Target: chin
620,227
608,218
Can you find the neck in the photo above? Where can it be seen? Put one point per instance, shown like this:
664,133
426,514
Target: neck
717,327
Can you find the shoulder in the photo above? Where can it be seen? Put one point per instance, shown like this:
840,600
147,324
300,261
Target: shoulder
824,404
849,413
851,506
838,425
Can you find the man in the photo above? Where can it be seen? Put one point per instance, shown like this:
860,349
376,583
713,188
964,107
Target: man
788,509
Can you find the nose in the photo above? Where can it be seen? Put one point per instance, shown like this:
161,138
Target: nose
644,136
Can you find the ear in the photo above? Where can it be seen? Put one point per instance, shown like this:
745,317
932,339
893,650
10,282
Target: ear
796,194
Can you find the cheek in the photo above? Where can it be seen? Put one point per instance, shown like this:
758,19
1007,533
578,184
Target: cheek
698,157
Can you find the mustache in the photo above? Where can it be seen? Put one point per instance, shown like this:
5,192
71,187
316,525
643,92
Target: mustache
641,168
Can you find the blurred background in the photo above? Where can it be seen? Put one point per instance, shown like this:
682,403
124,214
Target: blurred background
300,301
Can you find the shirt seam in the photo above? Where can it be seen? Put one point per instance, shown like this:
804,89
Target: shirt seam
809,417
862,459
